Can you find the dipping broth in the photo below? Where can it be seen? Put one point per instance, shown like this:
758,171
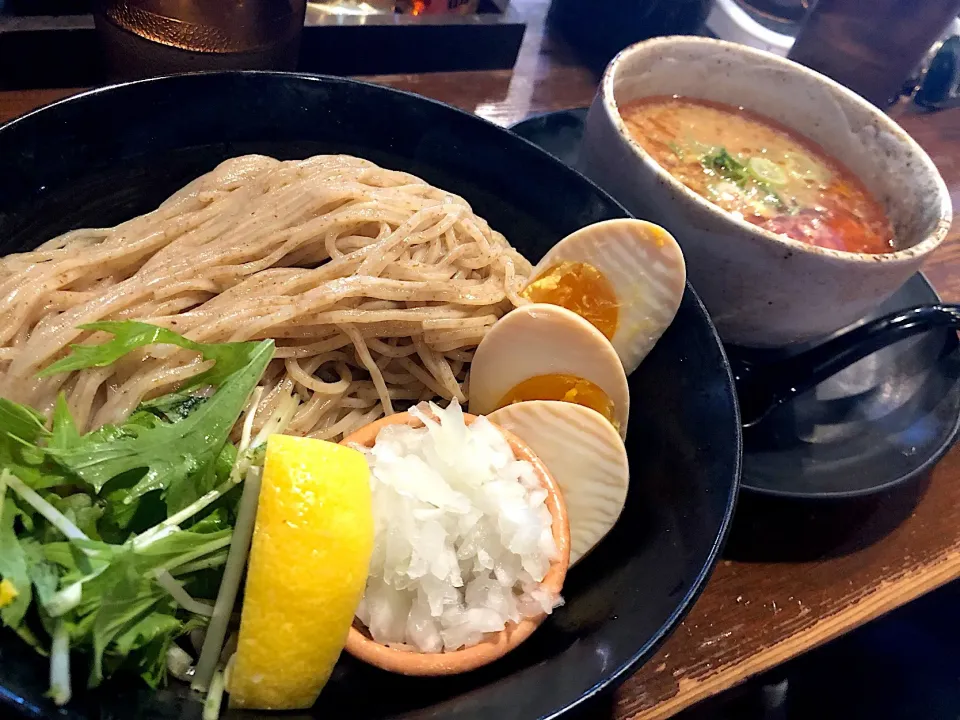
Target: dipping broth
760,171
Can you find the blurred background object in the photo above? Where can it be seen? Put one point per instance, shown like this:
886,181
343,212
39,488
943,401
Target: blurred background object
351,7
872,46
599,29
51,43
770,25
936,83
59,43
437,7
882,49
914,47
142,38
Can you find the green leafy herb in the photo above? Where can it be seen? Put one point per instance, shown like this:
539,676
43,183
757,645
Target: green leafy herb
89,522
182,494
125,594
144,645
43,574
82,510
64,434
728,167
126,604
129,335
21,432
173,407
168,453
13,567
20,422
31,464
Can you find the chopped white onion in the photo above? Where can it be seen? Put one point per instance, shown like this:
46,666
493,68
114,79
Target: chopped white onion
462,534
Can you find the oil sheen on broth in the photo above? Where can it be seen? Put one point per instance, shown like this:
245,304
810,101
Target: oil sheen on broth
758,170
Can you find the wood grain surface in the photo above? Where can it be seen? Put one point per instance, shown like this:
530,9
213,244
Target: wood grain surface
793,576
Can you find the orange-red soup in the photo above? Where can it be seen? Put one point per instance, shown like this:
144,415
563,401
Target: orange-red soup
760,171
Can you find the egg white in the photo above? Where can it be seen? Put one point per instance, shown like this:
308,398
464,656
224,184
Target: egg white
586,457
645,267
541,339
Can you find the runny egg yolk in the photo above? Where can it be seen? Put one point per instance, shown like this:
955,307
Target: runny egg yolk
560,386
580,288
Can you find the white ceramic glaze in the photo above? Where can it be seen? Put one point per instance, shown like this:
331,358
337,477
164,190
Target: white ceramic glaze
763,289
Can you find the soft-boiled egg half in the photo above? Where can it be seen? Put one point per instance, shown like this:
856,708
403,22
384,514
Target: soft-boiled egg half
546,352
586,457
626,277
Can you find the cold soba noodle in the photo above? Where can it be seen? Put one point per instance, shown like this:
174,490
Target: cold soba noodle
376,286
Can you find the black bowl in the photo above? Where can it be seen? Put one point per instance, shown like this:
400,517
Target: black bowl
101,157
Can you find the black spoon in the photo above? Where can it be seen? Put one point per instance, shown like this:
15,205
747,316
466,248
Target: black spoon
763,386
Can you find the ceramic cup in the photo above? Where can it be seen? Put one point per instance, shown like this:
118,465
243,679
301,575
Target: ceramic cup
762,289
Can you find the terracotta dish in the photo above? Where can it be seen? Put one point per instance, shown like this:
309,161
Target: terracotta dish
408,661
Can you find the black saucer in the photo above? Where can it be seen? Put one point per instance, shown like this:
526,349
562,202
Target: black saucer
881,422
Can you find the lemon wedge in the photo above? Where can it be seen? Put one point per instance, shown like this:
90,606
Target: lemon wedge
306,574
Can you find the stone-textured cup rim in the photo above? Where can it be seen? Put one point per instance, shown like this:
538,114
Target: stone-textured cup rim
906,255
407,661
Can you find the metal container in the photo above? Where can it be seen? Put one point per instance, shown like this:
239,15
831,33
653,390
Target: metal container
142,38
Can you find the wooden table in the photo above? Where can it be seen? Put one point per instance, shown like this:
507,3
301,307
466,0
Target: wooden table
771,598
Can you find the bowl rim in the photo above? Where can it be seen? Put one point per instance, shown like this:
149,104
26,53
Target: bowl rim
644,651
930,242
494,645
